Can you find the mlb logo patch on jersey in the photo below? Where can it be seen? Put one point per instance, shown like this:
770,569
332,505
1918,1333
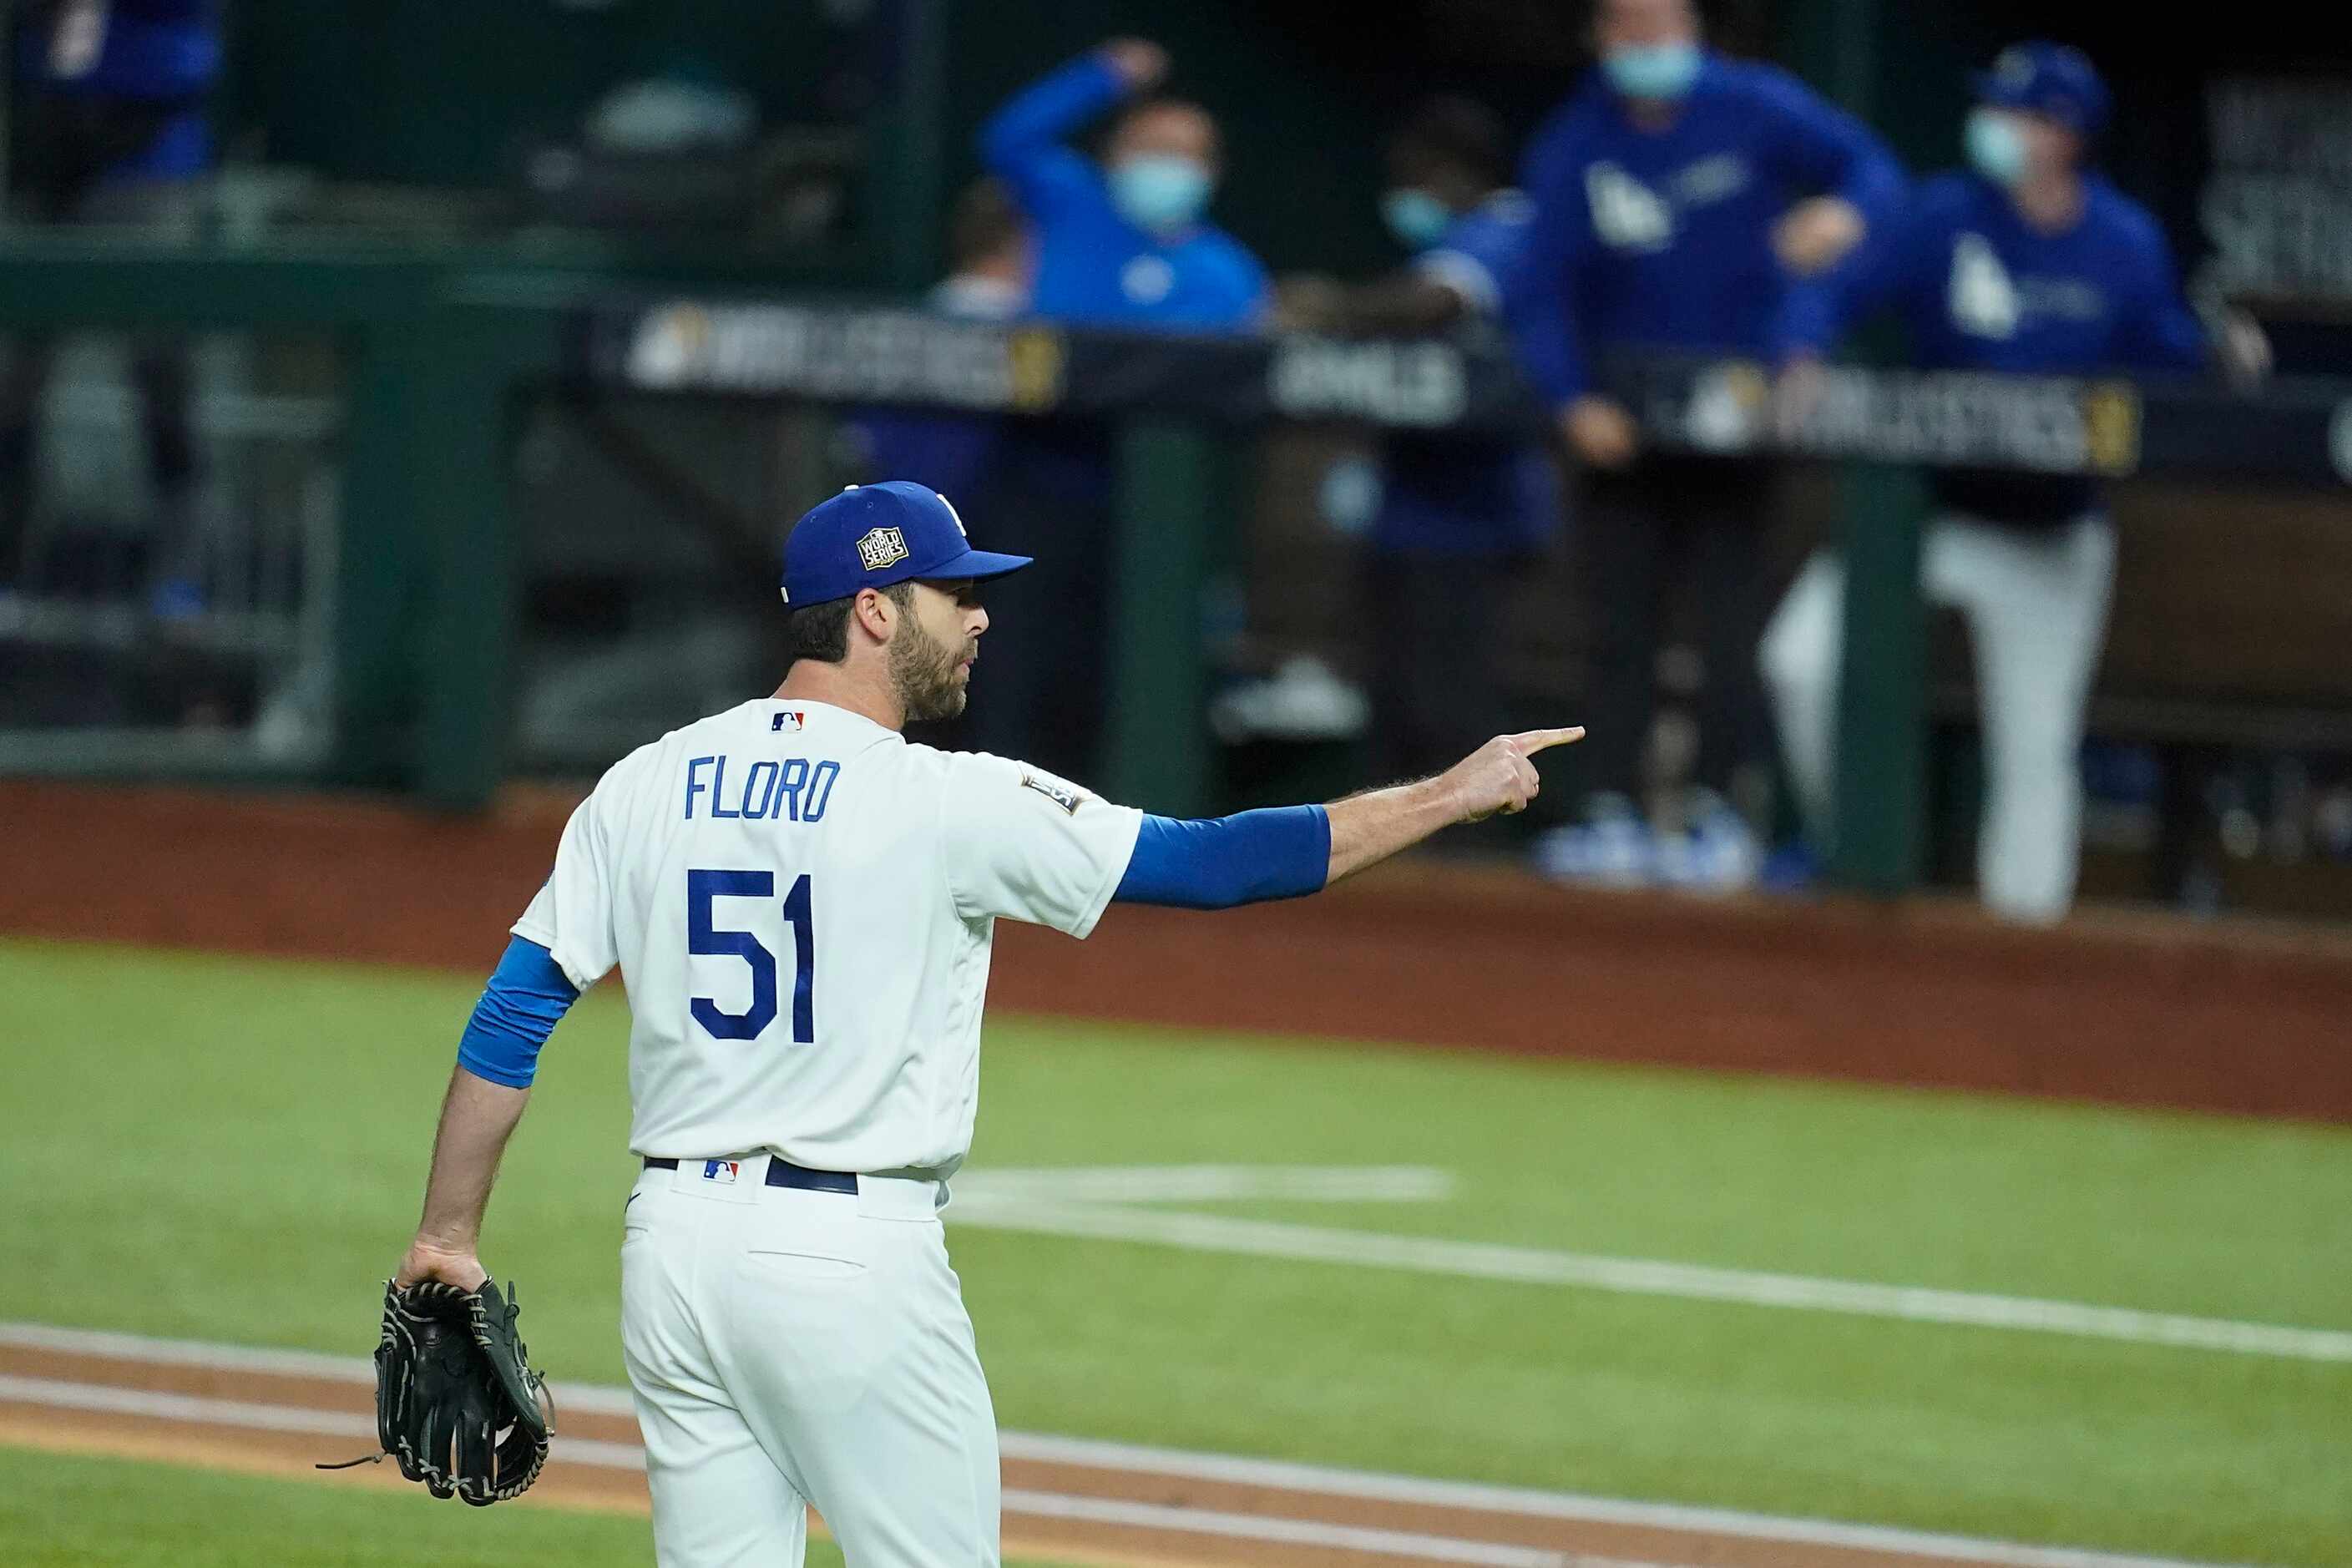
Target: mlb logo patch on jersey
1065,795
792,721
722,1172
882,547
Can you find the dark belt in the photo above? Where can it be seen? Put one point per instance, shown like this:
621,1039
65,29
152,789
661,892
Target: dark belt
782,1172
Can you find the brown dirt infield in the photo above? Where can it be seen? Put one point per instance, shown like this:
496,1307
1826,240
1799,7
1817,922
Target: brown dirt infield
2135,1008
1236,1521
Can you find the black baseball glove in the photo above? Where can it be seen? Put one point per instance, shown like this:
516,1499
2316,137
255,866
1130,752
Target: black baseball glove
457,1402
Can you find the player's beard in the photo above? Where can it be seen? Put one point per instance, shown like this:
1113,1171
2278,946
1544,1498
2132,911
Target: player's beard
923,671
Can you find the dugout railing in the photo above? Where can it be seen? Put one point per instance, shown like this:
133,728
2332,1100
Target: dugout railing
426,575
1174,397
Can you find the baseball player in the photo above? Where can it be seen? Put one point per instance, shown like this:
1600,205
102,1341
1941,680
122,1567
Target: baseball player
2029,261
802,903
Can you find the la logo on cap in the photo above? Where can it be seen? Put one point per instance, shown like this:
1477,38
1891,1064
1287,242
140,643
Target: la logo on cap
881,547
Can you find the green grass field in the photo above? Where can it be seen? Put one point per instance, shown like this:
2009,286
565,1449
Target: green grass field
233,1148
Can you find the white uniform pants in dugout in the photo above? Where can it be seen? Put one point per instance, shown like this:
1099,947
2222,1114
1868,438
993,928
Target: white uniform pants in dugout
788,1347
2036,603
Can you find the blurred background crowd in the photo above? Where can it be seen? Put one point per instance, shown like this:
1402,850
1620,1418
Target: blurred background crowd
2133,689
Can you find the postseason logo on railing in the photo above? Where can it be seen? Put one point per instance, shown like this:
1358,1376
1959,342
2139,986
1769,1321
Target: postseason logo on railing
1406,383
2295,431
2043,423
879,356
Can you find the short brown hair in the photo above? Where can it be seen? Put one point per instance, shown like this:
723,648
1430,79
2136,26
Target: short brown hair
821,631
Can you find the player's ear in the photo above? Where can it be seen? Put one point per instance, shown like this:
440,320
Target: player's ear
873,610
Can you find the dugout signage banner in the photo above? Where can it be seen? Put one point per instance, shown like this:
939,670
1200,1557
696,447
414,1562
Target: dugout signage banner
2037,424
864,357
937,361
2291,432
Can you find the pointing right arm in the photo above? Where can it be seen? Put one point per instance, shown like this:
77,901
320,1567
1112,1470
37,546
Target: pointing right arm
1500,776
1291,851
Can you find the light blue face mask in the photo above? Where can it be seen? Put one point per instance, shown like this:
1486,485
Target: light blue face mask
1417,218
1160,191
1653,71
1996,147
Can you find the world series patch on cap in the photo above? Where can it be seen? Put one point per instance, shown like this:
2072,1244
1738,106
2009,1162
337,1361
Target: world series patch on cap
871,536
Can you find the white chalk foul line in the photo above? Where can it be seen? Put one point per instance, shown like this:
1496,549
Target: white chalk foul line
1278,1474
1204,1183
1292,1531
1688,1281
1133,1458
102,1399
105,1400
598,1398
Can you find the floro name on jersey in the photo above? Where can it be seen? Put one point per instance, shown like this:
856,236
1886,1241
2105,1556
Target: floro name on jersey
792,790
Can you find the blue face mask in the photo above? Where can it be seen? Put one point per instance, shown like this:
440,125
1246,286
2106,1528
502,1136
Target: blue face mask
1160,191
1417,218
1653,71
1996,147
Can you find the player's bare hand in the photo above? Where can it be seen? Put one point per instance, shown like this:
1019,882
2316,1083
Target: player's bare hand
1140,62
1500,776
430,1260
1816,235
1600,432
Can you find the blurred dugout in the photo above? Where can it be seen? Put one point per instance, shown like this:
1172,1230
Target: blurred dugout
174,593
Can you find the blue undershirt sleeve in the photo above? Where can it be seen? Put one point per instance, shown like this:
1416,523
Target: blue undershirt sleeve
1217,863
520,1007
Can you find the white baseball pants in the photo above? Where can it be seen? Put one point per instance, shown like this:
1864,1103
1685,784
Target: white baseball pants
788,1348
2036,603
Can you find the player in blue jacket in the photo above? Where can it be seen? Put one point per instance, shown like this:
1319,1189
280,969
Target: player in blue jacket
1455,516
111,129
2028,262
1122,241
955,454
1679,197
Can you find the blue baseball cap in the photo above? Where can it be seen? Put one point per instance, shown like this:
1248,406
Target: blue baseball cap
870,536
2044,77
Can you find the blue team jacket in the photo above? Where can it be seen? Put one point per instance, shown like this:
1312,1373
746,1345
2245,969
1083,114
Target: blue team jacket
163,52
1444,495
1093,266
1978,288
152,49
1664,238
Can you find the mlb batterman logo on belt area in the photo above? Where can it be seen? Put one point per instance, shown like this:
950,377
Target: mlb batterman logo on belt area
882,547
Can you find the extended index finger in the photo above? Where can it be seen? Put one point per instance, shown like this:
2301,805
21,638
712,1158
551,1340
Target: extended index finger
1530,741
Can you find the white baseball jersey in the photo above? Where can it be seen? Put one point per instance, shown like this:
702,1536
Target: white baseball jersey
801,904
